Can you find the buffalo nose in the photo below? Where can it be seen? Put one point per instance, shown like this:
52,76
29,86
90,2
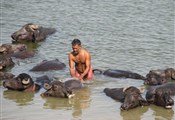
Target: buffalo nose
4,84
123,107
13,36
170,101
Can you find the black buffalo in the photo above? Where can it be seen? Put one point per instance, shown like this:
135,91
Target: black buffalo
119,74
62,89
23,82
47,65
130,97
161,95
158,77
6,62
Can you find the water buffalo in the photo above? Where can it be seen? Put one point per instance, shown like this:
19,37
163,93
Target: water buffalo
23,82
24,54
20,98
6,62
16,50
46,65
6,75
130,97
32,32
119,74
161,95
9,48
62,89
158,77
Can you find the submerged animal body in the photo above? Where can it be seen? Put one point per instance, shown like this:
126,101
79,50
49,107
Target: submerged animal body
119,74
46,65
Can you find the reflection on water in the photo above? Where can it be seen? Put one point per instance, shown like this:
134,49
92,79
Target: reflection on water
159,113
30,45
134,35
162,113
80,101
134,114
21,98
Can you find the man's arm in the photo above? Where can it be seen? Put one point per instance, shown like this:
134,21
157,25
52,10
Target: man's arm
88,64
71,66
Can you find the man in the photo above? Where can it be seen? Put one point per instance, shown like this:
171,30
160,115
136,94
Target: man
80,62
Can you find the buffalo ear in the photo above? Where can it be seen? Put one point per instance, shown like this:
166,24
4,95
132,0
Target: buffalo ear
125,88
33,27
141,89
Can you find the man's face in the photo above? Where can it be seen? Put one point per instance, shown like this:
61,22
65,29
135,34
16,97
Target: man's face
76,49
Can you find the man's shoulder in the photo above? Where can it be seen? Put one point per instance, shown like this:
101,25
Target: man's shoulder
85,52
71,54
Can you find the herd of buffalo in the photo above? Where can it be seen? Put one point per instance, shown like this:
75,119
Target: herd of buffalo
160,85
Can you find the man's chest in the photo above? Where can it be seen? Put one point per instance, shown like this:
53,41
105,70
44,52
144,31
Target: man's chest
79,58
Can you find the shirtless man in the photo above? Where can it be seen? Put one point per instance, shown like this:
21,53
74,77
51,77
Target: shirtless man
80,62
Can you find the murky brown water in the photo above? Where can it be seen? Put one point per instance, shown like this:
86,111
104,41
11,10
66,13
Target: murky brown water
128,35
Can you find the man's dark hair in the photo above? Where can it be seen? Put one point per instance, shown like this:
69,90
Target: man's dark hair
76,42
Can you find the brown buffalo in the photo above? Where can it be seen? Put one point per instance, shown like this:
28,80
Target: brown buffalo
161,95
24,54
9,48
46,65
62,89
130,97
158,77
6,62
6,75
32,32
16,50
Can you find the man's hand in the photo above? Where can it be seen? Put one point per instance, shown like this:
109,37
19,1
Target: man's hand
80,78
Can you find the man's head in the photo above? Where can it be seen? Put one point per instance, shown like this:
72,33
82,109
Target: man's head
76,46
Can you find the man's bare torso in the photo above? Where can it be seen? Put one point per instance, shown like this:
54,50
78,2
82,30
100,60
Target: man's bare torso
80,60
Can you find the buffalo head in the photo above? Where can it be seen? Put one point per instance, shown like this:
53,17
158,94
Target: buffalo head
161,95
32,32
56,89
23,82
133,99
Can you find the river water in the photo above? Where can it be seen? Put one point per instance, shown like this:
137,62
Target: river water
134,35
